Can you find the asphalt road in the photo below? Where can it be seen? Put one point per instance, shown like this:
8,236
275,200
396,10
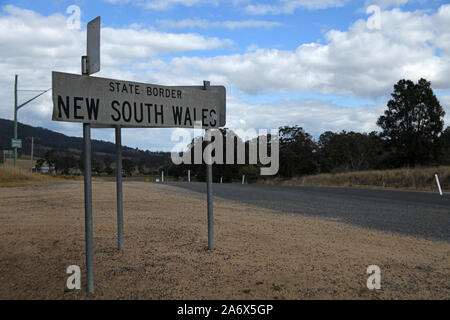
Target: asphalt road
419,214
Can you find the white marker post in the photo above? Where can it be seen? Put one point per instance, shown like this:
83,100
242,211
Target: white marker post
243,178
189,175
162,176
438,184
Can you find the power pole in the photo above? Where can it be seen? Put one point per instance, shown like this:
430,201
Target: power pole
15,119
17,107
31,161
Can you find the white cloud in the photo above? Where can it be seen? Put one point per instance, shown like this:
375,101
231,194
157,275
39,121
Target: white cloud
161,5
281,6
314,115
386,3
359,61
206,24
289,6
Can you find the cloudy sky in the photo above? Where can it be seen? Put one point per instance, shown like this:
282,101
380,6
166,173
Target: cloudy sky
319,64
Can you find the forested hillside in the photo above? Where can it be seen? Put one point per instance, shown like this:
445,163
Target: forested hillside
47,141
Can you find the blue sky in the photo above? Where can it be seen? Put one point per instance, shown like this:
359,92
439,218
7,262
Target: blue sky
317,64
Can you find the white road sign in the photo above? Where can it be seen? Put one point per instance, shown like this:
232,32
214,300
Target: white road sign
108,102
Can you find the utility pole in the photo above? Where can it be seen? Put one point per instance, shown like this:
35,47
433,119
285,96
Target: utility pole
15,119
17,107
31,160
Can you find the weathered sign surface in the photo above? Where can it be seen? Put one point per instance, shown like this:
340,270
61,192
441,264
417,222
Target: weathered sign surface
93,45
108,102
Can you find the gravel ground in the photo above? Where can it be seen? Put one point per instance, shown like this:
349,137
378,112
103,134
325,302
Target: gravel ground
260,253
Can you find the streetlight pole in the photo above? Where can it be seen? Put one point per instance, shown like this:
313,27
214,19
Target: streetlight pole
31,158
15,119
17,107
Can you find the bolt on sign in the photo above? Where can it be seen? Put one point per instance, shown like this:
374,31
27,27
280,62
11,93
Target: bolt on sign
109,102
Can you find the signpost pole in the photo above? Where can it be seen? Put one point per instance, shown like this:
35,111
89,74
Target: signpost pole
88,207
89,64
119,186
88,194
209,191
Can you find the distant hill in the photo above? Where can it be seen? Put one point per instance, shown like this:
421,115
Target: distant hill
45,140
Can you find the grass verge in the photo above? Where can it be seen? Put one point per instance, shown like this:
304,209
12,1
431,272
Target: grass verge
418,179
17,177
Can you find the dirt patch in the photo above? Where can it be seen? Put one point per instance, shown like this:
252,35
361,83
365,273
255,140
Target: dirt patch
260,254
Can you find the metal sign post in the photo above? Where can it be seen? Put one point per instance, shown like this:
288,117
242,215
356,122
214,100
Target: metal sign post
92,35
119,186
209,190
88,207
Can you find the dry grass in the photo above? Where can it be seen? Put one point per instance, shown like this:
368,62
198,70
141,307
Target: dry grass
419,179
17,177
23,162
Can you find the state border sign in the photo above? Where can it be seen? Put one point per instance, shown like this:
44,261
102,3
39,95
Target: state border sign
108,102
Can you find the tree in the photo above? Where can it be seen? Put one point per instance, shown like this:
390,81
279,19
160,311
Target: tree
128,166
413,123
51,157
297,152
39,163
66,163
445,142
98,166
348,151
